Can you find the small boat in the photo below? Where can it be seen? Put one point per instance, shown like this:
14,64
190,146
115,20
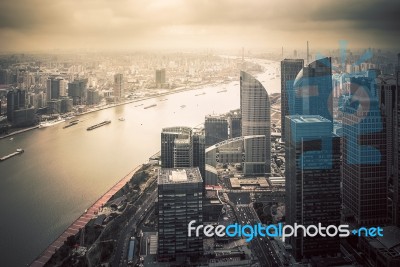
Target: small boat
221,91
150,106
139,105
121,119
183,106
11,139
70,124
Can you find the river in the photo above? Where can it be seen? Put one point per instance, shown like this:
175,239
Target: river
63,171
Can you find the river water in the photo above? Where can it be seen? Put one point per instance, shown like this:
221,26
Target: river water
63,171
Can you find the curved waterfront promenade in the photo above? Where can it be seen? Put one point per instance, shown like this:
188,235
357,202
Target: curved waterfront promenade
81,221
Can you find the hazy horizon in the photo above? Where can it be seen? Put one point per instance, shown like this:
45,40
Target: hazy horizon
102,25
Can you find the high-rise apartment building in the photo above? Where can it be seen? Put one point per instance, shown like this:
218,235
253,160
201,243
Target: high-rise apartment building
180,199
256,114
312,182
289,70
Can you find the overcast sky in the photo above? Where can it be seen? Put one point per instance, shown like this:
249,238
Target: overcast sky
27,25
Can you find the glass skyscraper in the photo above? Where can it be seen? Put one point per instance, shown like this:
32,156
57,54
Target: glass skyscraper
289,70
256,116
312,94
215,129
180,196
365,181
182,147
312,182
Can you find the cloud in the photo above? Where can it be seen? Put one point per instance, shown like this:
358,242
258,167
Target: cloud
46,24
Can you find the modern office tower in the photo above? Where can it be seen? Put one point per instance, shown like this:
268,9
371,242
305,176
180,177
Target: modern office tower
119,87
216,129
235,126
160,76
182,151
180,196
56,87
312,90
364,157
17,112
16,99
197,154
256,114
397,145
93,97
5,76
66,104
182,147
54,106
312,182
389,105
77,90
254,157
289,70
168,136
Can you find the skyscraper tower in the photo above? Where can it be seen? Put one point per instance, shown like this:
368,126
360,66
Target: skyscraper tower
56,87
365,182
77,90
182,147
256,113
180,200
16,99
160,77
197,153
312,94
387,92
312,182
168,137
119,87
289,70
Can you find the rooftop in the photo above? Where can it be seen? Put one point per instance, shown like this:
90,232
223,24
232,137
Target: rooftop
308,118
179,175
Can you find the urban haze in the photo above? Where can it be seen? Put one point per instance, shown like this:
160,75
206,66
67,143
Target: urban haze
131,131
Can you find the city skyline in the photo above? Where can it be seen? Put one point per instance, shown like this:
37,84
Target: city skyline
129,25
132,132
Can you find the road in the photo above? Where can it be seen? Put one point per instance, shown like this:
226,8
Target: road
262,246
120,256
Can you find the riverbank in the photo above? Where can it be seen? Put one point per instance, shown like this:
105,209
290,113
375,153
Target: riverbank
81,221
178,90
19,131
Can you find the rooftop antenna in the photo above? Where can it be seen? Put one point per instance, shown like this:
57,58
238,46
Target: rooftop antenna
308,54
